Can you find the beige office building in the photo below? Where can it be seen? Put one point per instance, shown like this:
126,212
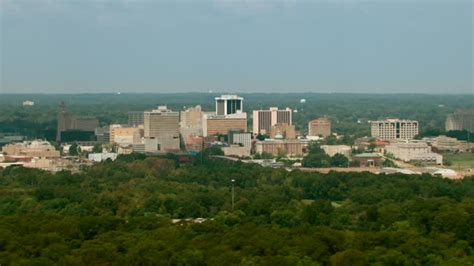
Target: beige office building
191,123
392,129
191,117
263,120
125,135
162,124
221,124
319,127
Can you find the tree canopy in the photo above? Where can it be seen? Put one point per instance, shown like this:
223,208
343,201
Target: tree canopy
121,213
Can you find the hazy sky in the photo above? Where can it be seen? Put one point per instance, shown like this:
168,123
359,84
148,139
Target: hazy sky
268,46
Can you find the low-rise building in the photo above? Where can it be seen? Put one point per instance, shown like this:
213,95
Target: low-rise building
236,150
281,147
194,143
138,147
368,159
444,143
332,150
53,165
28,103
414,151
99,157
37,148
240,137
286,130
4,140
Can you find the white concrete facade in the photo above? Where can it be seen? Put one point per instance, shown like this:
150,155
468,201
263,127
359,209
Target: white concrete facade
413,151
392,129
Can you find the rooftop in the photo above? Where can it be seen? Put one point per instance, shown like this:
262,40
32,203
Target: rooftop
229,97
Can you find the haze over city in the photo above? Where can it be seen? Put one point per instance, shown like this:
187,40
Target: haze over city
244,46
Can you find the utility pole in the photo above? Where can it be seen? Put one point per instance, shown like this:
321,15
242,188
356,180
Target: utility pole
233,181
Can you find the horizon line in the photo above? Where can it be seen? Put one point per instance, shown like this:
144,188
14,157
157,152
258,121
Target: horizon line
226,92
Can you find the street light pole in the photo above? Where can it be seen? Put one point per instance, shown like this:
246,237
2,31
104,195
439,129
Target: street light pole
233,181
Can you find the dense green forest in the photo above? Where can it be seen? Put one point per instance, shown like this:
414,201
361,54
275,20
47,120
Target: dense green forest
119,213
350,113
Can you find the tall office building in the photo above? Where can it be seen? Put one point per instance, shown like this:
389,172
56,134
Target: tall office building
162,125
191,124
191,117
460,120
221,124
64,120
78,124
229,104
135,118
391,129
319,127
263,120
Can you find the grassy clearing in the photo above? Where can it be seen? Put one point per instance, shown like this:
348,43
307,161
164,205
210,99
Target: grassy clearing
460,160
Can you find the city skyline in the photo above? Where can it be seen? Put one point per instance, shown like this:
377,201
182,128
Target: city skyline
236,46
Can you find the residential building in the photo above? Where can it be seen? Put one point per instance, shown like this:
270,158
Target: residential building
319,127
162,124
229,104
413,151
135,118
221,124
263,120
332,150
393,129
28,103
461,120
281,147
